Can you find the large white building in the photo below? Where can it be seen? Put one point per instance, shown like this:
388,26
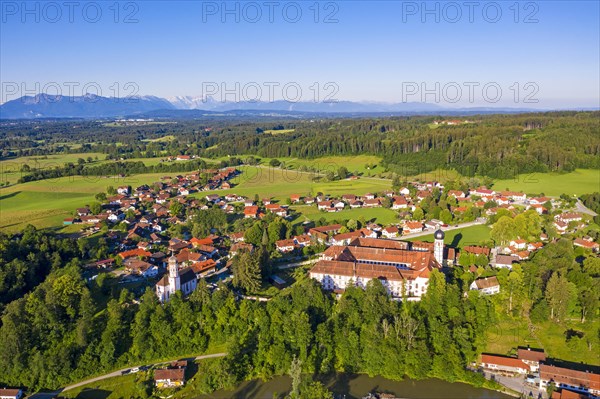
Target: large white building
403,272
183,280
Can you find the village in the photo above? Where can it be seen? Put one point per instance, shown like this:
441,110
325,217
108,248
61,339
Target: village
143,245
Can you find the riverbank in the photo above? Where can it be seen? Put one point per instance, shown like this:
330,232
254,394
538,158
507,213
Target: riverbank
356,386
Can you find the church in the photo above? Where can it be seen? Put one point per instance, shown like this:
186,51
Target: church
183,280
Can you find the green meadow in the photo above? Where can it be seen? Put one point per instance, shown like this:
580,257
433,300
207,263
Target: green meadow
10,169
383,216
279,184
46,203
581,181
473,235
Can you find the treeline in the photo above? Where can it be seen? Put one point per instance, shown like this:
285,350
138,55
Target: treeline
118,168
26,259
498,146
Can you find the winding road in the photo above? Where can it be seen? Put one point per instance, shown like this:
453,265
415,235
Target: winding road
117,373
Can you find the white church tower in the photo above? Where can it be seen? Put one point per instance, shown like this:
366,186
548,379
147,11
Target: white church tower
174,279
438,245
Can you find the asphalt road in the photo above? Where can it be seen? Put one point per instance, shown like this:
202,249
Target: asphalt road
117,373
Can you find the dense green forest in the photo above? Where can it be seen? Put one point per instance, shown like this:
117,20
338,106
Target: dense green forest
498,146
65,327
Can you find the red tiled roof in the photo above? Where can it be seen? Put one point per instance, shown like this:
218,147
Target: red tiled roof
504,361
169,374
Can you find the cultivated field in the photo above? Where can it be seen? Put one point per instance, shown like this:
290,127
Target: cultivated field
10,169
579,182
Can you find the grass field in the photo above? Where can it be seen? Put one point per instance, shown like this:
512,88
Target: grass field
10,169
46,203
505,336
282,131
473,235
578,182
280,184
383,216
352,163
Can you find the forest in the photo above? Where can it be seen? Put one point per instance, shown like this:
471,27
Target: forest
497,146
65,327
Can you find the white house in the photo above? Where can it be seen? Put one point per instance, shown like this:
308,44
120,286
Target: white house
487,285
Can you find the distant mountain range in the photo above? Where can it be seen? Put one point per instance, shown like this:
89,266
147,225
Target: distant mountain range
92,106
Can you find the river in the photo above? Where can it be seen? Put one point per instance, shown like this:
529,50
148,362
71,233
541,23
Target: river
352,386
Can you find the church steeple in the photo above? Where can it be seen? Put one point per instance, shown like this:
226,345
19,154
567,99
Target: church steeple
174,280
438,245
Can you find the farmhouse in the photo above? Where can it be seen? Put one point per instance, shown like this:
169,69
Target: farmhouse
168,378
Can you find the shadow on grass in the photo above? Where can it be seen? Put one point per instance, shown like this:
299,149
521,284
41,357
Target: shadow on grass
89,393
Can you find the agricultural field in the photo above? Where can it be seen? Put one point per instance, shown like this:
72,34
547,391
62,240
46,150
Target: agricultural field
581,181
46,203
279,184
472,235
10,169
354,164
383,216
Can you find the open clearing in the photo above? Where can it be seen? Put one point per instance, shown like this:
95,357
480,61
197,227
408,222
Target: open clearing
581,181
383,216
473,235
507,334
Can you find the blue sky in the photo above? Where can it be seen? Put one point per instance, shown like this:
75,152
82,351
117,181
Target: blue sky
371,51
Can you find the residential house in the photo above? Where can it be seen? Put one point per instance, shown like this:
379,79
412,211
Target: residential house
586,243
504,364
505,261
412,227
251,212
285,245
487,285
169,378
390,232
532,357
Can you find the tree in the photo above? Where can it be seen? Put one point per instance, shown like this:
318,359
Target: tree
296,376
418,214
274,162
95,208
446,216
503,230
558,294
175,208
246,272
342,172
